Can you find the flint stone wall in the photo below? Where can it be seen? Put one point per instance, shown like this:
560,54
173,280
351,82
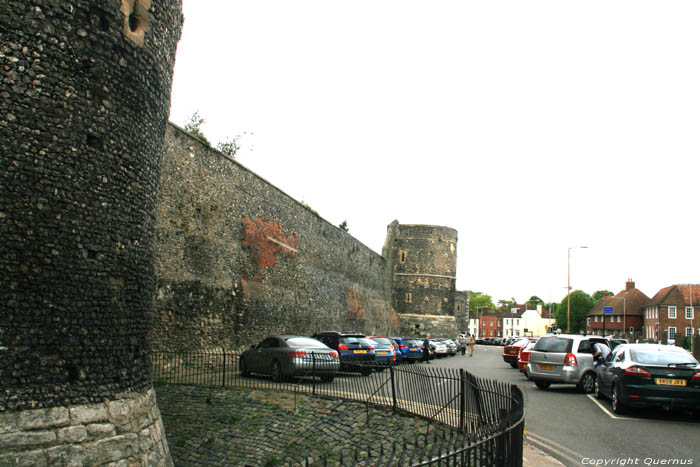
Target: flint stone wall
237,259
124,431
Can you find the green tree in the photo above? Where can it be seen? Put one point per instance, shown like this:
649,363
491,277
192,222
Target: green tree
479,301
601,294
506,304
194,127
581,304
535,300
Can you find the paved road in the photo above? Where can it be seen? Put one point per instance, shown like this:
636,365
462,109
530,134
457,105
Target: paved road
580,430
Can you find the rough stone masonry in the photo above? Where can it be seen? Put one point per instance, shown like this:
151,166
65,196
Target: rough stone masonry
84,100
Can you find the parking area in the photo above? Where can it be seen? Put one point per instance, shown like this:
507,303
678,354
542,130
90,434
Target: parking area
578,429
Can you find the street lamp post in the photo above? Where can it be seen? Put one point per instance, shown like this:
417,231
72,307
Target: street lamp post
568,287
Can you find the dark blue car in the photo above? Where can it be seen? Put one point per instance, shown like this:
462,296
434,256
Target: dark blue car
355,350
410,348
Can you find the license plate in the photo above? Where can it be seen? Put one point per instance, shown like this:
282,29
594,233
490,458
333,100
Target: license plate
381,352
414,348
670,382
546,367
360,351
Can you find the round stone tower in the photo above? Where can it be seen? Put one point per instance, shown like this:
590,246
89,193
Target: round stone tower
423,262
84,100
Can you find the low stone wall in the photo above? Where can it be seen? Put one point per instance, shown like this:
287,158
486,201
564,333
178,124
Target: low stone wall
413,325
126,431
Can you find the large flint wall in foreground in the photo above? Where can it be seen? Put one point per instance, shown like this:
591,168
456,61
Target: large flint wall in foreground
237,259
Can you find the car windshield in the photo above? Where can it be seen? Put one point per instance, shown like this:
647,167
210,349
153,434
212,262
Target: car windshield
304,342
662,357
553,344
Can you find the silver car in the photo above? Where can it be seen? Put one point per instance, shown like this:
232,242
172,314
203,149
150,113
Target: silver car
564,359
284,356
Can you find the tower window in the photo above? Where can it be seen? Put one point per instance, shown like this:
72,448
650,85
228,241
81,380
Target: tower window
409,298
402,256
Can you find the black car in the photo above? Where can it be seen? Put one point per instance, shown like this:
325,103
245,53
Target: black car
642,375
355,350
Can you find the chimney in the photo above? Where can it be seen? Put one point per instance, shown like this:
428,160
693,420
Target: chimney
629,285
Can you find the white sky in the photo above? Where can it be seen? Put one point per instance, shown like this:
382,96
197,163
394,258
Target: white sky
529,127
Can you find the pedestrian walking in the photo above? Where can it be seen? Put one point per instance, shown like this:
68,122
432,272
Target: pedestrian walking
426,348
462,339
472,343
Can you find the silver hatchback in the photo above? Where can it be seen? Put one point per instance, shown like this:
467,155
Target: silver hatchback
564,359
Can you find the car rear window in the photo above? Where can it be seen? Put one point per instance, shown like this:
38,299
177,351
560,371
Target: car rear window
304,342
553,344
382,340
661,357
521,342
353,340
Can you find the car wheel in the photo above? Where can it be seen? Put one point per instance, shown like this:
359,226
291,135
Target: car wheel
542,384
596,389
587,383
514,365
327,378
366,371
277,375
244,368
617,405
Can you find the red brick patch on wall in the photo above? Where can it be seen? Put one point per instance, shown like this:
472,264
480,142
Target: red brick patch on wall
265,239
354,303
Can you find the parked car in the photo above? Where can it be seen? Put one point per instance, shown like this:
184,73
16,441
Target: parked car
398,353
451,346
384,352
641,375
524,356
511,352
283,356
356,352
439,349
565,359
413,352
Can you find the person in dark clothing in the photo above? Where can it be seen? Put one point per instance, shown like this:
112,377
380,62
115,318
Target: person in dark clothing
426,348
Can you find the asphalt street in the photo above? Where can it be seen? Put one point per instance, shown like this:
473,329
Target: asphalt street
578,429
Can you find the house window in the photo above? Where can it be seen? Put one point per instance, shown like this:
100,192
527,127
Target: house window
612,319
688,332
595,318
672,312
588,322
671,332
619,319
409,298
689,312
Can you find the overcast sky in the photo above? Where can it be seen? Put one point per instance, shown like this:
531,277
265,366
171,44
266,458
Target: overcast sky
530,127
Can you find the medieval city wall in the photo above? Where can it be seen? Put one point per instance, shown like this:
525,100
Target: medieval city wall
237,259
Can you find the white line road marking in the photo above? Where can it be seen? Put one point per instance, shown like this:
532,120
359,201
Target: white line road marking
604,409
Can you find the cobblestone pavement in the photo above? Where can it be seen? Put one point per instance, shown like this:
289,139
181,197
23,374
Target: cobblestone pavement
262,428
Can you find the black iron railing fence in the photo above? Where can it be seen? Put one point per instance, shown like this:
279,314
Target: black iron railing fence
486,416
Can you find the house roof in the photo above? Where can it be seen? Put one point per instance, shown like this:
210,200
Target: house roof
688,294
630,301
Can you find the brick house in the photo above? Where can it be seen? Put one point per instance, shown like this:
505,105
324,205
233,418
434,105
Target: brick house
491,324
673,309
627,318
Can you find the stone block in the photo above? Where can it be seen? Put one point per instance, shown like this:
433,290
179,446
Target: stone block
101,430
84,414
8,423
72,434
112,449
22,439
36,458
43,418
67,456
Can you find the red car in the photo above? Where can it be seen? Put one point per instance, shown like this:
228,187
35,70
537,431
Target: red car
511,352
524,357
